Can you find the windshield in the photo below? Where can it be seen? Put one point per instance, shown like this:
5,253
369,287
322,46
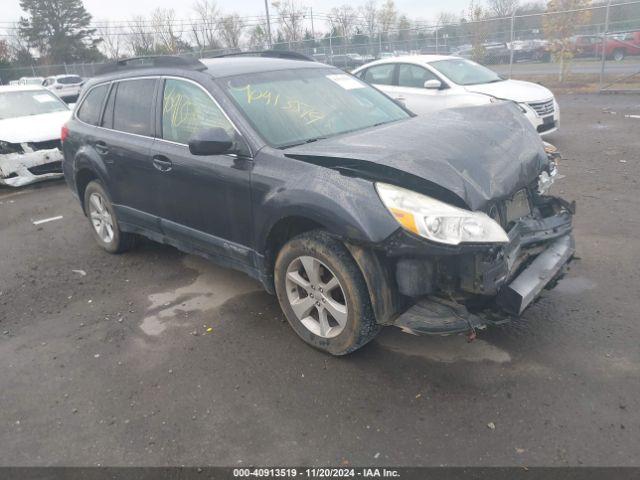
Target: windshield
296,106
30,102
70,80
465,72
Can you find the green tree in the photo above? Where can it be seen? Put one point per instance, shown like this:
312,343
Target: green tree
59,29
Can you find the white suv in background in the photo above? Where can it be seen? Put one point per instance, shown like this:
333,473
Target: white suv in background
425,83
67,87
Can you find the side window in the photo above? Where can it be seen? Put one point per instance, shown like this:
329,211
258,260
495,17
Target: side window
91,107
414,76
380,74
186,109
134,106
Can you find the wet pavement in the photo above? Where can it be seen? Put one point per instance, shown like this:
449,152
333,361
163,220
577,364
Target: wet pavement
155,357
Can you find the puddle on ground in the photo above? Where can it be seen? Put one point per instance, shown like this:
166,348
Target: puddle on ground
450,349
212,288
575,285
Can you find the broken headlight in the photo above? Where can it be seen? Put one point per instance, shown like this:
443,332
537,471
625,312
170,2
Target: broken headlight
439,221
546,178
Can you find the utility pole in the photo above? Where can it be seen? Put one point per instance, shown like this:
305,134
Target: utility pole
313,30
266,7
513,19
604,44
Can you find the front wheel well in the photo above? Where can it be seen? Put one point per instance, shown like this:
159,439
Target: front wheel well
283,231
83,177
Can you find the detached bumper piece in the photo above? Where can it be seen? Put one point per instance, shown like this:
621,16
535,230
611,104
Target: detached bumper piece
436,316
517,295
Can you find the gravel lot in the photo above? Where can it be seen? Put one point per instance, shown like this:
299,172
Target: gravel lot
116,367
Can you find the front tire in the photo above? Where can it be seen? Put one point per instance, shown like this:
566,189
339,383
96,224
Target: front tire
323,294
618,55
103,220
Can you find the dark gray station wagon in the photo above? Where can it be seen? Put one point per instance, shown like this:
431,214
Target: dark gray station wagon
353,211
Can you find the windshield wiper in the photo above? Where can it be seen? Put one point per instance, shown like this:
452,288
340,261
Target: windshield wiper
310,140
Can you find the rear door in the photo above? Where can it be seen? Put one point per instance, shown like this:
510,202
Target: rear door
207,199
125,145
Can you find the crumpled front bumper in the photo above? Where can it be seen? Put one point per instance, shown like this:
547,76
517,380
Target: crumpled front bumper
520,292
534,259
18,169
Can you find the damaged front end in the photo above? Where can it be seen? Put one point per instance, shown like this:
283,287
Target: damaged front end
29,162
446,289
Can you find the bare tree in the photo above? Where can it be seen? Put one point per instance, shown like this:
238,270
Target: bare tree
502,8
230,28
112,40
163,22
205,30
388,15
141,39
370,16
291,17
343,20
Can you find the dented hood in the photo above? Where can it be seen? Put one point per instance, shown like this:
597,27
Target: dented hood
478,153
33,128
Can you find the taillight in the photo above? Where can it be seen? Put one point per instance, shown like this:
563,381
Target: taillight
64,133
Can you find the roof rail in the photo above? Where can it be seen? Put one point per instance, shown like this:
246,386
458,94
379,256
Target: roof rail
188,63
285,54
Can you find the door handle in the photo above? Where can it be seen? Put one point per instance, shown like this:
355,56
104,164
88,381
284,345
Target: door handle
162,163
101,148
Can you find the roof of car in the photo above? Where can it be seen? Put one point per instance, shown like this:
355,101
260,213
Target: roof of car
417,59
21,88
230,66
64,75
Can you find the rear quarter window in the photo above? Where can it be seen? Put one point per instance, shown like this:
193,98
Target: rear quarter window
91,107
134,106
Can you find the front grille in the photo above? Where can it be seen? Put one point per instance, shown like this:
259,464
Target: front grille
543,108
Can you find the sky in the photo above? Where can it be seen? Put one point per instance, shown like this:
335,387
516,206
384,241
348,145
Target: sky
124,9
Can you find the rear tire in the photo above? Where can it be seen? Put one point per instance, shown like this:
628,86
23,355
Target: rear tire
618,55
103,220
316,275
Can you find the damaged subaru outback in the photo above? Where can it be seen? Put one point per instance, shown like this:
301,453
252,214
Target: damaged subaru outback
356,213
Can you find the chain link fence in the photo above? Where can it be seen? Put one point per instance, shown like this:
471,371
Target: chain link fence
596,47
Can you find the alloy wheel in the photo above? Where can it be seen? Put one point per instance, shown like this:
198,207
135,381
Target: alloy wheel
101,219
316,297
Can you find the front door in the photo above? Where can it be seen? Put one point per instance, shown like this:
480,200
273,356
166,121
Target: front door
207,199
410,90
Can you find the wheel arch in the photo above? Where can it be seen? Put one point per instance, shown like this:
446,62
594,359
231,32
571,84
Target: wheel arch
83,177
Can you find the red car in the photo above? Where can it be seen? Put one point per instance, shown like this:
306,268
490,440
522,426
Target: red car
585,45
618,46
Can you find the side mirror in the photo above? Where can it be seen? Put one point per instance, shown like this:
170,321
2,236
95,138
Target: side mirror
210,141
433,84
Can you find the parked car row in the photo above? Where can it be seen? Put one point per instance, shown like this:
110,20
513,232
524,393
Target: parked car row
66,87
352,210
